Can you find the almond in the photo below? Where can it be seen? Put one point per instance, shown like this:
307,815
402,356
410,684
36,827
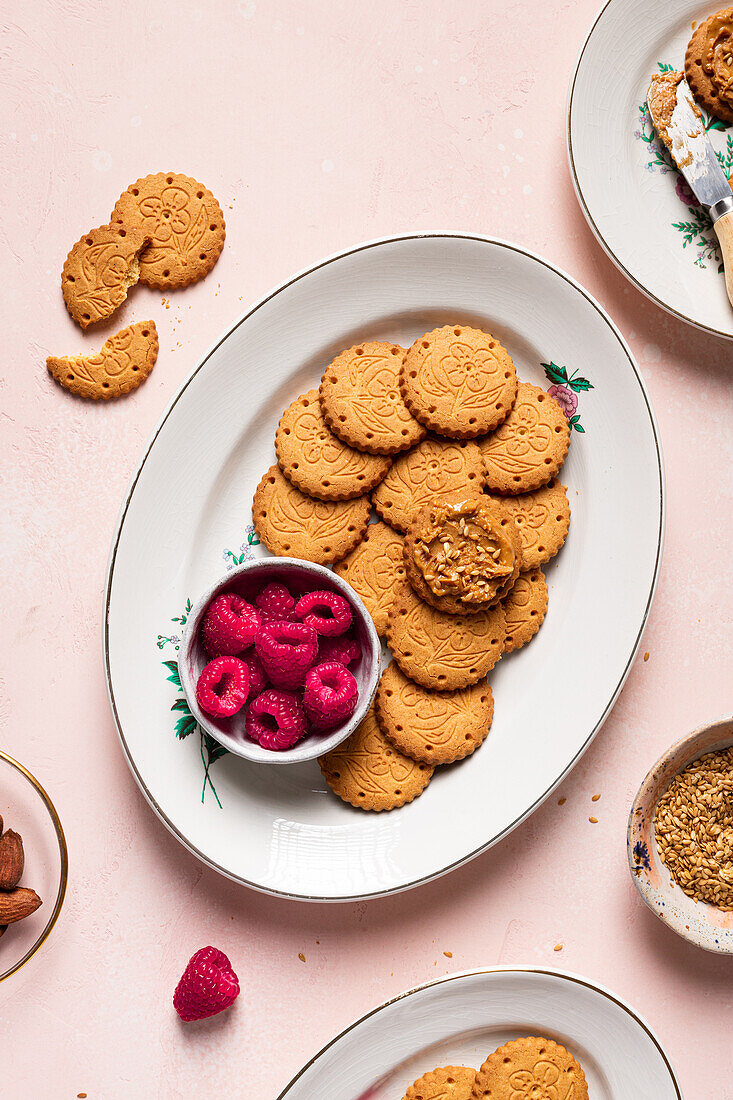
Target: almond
12,860
18,904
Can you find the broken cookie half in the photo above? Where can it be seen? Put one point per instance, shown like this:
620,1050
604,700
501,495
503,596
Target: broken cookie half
99,271
122,364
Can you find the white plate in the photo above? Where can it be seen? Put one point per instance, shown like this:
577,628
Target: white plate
278,828
636,205
461,1019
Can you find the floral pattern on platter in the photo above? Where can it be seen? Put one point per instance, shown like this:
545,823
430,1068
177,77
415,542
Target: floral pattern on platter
642,861
186,724
565,389
697,230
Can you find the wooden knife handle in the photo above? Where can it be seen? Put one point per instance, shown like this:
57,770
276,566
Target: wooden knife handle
724,228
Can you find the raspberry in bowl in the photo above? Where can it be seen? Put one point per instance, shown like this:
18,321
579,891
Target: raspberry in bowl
279,660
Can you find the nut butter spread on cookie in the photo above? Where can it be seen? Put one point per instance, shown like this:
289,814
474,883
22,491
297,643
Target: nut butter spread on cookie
717,54
461,550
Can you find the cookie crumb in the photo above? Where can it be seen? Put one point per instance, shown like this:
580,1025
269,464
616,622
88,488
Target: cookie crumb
593,820
561,801
301,956
595,798
558,947
448,954
646,655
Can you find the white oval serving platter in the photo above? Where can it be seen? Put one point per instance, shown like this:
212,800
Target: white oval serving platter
188,509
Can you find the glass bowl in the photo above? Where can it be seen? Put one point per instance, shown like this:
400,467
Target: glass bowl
26,808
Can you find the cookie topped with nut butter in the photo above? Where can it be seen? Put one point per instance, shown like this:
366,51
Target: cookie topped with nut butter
462,554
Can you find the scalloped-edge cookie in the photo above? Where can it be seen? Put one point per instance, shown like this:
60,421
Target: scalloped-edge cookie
529,448
432,469
99,271
458,381
367,771
708,72
291,524
432,727
319,463
543,519
525,607
185,225
123,363
446,1083
362,403
443,652
530,1067
375,570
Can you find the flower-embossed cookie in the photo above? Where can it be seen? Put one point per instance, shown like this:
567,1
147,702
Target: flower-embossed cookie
543,519
432,469
124,362
528,1068
292,524
370,773
375,570
362,403
443,652
446,1083
434,727
525,607
184,222
99,271
708,65
458,381
462,553
316,461
528,449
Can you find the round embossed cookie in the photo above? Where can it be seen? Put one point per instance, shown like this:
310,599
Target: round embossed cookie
434,468
362,403
446,1083
443,652
458,381
124,362
434,727
291,524
528,449
543,519
525,607
375,570
316,461
99,271
709,64
528,1068
370,773
462,553
184,222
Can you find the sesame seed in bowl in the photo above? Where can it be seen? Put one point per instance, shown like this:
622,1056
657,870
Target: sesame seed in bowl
680,837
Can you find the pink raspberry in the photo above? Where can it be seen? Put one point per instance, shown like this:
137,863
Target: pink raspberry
330,695
222,687
229,625
275,604
328,613
287,651
343,650
209,985
257,678
275,719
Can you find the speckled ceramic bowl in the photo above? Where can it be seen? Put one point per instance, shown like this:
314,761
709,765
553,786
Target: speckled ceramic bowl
300,577
697,922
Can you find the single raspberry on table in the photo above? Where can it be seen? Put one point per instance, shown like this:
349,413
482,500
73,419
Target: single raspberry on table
275,603
330,695
328,613
276,719
287,651
222,687
230,625
257,677
343,650
209,985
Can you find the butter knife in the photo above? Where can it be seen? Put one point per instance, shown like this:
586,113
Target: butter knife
678,122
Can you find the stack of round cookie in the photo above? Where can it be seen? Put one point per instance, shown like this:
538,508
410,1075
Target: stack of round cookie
443,440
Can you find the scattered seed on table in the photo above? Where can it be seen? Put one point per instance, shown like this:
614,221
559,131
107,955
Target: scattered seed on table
593,820
646,655
558,947
595,798
561,801
301,956
448,954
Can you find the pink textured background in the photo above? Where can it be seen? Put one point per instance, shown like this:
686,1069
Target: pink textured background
317,123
